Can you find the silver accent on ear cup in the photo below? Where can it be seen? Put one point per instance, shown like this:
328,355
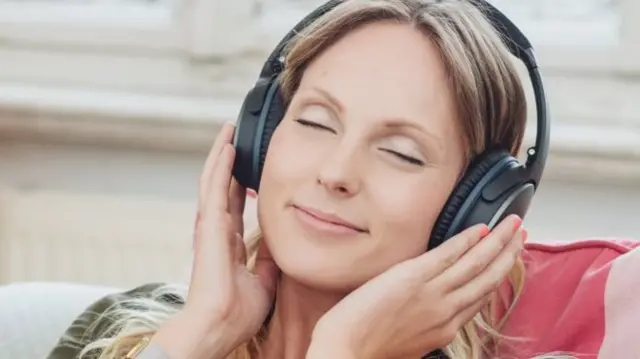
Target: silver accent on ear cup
505,205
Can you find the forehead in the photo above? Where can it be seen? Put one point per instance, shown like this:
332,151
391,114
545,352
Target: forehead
386,69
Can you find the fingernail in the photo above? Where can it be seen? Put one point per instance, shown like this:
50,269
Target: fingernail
518,223
525,235
484,231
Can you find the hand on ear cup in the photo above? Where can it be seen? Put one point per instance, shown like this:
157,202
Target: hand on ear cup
419,305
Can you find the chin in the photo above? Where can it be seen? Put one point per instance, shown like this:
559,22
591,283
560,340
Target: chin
323,273
331,264
317,258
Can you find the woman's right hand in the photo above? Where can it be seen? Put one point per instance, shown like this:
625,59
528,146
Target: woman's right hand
226,304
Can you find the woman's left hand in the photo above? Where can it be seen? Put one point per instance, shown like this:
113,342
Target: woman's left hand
420,305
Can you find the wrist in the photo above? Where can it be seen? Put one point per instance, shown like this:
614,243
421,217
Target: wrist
331,344
323,350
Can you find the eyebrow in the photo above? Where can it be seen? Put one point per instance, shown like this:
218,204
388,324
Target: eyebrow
329,97
391,123
401,123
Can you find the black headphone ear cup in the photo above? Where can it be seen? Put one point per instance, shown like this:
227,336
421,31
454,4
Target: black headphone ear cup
476,172
274,113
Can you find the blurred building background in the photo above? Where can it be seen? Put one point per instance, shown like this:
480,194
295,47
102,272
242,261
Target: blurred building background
108,108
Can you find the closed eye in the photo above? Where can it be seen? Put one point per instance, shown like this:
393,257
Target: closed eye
315,125
403,157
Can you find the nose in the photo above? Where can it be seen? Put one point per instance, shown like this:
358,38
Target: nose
340,173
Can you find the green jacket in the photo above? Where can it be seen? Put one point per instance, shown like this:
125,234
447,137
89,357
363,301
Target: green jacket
93,323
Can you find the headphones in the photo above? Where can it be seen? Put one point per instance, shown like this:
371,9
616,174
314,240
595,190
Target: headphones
494,186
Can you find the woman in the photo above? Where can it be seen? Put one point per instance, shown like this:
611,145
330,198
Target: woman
384,115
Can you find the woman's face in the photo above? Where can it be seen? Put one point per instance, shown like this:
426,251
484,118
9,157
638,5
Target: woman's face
364,160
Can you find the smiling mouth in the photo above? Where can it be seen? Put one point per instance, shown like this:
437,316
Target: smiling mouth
327,223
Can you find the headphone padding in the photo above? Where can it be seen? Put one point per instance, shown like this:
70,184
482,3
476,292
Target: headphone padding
275,112
478,169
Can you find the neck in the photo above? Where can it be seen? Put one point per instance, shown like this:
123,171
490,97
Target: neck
297,310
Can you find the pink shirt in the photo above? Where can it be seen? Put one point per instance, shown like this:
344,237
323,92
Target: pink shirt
580,298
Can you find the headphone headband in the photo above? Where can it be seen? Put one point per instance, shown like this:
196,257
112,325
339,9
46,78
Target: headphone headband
516,42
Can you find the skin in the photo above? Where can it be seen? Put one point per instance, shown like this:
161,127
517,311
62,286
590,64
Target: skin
352,163
385,160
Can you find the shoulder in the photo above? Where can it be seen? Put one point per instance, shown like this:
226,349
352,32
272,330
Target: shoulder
578,296
96,321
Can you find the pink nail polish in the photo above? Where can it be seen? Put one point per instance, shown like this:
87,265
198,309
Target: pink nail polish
517,224
484,231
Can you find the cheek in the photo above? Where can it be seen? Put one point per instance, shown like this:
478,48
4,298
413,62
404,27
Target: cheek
408,211
283,166
284,173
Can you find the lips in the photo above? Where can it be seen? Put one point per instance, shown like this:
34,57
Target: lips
330,218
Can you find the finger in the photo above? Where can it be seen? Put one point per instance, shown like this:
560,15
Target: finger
197,223
237,196
214,235
224,136
474,262
240,250
468,313
237,200
436,261
214,249
493,276
220,185
266,269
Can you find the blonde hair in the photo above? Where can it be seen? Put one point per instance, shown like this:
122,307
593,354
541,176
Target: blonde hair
492,112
